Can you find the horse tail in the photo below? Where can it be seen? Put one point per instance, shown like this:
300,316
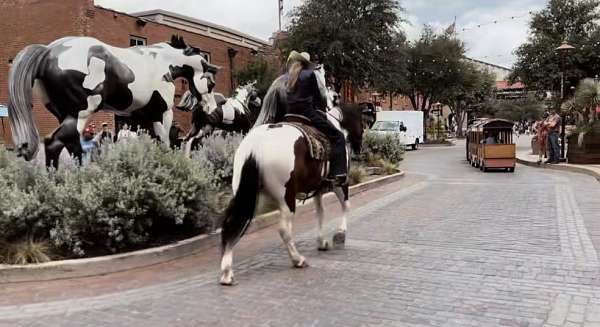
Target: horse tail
271,103
20,114
241,209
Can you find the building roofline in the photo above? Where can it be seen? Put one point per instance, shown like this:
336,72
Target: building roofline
200,22
489,64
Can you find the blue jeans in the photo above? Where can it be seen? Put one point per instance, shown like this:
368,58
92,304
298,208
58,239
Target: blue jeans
553,148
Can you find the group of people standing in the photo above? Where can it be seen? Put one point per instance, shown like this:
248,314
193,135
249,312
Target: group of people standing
92,138
547,130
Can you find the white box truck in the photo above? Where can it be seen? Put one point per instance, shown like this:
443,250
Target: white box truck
392,122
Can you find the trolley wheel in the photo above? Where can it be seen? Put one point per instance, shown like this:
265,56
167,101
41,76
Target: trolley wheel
511,169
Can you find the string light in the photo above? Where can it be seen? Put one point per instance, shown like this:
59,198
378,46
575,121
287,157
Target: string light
497,21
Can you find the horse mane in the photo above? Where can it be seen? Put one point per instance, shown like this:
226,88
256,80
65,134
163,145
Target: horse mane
273,107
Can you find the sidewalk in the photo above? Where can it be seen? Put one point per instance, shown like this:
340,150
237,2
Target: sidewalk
526,158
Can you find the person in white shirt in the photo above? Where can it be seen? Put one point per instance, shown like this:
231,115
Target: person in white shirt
125,134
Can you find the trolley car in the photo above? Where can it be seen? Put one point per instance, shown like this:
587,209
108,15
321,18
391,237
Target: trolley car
490,145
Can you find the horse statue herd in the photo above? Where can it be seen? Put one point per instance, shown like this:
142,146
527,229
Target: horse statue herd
281,156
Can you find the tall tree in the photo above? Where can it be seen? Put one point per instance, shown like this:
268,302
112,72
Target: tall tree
467,93
433,65
392,77
258,69
351,37
575,21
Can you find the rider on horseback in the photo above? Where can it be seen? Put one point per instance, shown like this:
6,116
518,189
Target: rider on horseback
304,98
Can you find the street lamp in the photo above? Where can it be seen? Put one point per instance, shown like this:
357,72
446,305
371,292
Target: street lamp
438,112
563,49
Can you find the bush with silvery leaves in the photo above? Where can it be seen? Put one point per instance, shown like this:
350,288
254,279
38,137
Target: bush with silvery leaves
389,146
127,198
216,155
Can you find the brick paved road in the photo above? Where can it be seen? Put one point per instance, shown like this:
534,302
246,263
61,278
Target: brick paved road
448,246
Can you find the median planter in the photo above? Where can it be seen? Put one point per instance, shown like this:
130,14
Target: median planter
587,151
76,268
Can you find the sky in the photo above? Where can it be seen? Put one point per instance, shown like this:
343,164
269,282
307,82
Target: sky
491,42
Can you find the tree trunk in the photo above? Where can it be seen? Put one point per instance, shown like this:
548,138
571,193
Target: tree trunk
391,99
413,101
425,116
459,119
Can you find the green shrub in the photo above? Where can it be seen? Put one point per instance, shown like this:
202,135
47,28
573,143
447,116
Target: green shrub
386,146
132,195
356,175
216,155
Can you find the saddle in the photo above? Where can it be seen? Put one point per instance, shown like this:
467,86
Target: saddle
318,144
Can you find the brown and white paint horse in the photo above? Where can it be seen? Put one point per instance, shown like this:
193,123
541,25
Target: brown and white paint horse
273,160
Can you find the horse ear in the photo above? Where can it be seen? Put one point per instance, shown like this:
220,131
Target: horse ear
177,42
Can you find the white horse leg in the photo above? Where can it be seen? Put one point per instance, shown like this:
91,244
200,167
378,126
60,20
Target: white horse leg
162,129
93,101
189,143
285,231
339,238
226,267
323,245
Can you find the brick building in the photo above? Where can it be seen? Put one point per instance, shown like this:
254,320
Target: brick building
24,22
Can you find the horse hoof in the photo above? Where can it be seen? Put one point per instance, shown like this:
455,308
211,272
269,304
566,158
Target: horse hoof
227,280
323,245
301,263
339,240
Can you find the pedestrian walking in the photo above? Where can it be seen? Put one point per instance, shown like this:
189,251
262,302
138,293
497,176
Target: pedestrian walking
105,135
88,145
539,128
553,123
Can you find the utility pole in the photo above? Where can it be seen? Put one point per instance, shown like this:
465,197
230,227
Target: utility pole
280,7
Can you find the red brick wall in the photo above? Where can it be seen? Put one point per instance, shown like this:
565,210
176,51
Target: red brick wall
24,22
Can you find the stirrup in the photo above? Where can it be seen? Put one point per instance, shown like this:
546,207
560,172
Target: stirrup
338,180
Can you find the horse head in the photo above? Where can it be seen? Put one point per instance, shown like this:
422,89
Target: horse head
192,65
251,98
351,121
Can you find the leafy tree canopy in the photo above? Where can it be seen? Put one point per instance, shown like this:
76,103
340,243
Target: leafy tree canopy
575,21
352,37
260,70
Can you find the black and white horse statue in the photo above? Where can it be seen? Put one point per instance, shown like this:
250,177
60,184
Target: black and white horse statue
274,160
78,76
235,114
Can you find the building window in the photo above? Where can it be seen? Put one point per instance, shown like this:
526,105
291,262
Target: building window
136,41
206,55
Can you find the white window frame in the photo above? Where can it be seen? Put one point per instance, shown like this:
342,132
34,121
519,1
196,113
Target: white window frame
139,41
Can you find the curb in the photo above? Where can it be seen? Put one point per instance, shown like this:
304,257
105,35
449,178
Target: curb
559,167
437,145
76,268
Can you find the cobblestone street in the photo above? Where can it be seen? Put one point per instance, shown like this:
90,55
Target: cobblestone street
446,246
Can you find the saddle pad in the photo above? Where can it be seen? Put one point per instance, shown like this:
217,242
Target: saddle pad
318,144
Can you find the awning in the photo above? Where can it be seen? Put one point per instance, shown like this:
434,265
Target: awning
3,111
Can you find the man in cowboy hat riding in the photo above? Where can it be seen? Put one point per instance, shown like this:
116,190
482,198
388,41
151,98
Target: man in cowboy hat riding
304,98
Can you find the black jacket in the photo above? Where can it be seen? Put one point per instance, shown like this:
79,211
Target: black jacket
306,94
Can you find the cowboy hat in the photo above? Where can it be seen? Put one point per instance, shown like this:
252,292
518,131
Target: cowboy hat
303,57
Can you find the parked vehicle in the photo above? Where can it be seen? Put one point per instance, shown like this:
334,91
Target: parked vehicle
490,145
408,124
